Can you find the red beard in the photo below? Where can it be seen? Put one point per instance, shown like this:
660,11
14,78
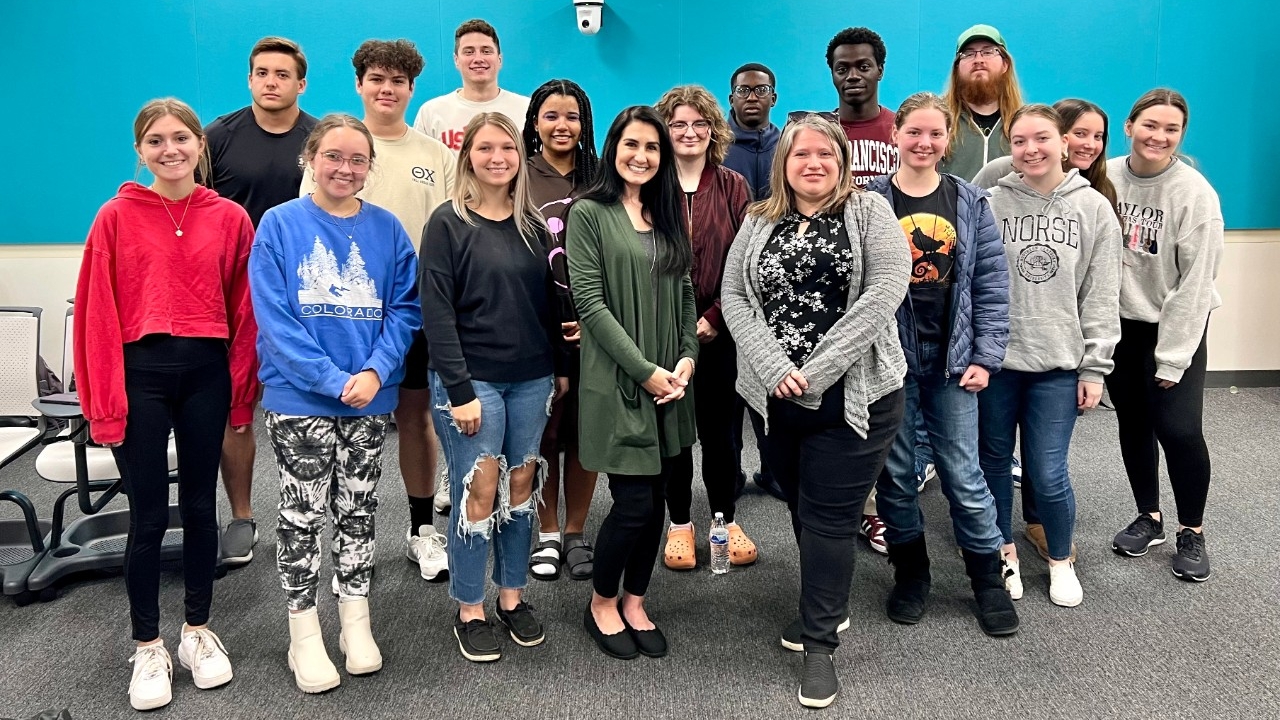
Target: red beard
980,92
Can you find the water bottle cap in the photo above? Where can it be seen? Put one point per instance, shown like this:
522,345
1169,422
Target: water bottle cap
719,516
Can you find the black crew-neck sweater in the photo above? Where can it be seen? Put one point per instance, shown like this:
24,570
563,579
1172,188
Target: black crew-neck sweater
488,305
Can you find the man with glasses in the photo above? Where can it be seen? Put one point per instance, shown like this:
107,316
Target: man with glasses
856,57
753,93
412,174
982,91
478,56
254,162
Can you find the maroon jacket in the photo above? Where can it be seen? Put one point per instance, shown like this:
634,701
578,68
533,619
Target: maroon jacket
715,213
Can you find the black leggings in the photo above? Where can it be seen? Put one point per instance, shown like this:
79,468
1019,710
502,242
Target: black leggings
1152,418
826,471
627,543
181,384
715,404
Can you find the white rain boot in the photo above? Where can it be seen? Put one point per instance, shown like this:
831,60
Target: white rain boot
356,640
309,661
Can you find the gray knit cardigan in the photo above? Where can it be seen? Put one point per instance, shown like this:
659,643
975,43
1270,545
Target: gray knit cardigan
862,347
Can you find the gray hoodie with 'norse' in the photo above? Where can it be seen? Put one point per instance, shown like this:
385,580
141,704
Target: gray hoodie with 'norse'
1064,276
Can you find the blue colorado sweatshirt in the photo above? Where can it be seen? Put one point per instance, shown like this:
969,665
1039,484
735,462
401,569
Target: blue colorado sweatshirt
333,297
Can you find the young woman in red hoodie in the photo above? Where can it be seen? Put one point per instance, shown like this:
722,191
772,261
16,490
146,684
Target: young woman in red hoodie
164,340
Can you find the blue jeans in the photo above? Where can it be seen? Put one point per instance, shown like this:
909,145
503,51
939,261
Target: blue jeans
1043,407
949,414
512,418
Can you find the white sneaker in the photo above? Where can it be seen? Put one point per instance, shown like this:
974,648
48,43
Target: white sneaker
1012,578
203,654
442,500
1064,586
427,548
151,684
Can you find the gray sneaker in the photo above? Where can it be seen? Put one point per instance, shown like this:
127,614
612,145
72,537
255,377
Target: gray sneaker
442,501
238,541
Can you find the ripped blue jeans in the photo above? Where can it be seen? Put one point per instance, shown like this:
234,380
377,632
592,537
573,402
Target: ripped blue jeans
512,418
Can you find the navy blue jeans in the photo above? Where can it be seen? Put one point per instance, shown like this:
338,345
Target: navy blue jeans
1043,407
949,414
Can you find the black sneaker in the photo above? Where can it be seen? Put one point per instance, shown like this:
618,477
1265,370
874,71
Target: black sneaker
525,629
1192,560
791,633
818,684
1139,536
477,640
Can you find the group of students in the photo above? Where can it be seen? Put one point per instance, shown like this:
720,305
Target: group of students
533,297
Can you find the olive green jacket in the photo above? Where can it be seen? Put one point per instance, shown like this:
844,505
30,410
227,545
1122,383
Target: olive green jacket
626,335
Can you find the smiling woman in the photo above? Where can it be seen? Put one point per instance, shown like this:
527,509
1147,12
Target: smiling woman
150,359
811,285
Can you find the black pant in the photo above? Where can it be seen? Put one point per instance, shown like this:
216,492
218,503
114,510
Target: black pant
1174,418
181,384
714,401
826,471
627,543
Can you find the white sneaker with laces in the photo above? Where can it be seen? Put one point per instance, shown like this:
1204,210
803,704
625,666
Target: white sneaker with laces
442,501
427,548
204,655
1012,578
1064,586
152,683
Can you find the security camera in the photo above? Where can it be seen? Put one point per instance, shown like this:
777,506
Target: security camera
589,15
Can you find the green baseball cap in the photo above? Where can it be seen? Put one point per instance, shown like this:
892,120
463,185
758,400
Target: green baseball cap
980,32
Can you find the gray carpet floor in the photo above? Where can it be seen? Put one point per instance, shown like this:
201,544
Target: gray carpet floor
1142,644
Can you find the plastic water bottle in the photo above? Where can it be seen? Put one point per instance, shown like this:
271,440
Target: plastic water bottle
719,545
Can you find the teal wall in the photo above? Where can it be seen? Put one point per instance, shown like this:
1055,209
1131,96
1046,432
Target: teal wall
79,70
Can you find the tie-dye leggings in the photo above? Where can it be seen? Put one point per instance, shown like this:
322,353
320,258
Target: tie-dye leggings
326,463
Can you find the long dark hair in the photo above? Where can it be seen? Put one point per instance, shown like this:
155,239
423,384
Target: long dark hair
661,196
585,160
1070,110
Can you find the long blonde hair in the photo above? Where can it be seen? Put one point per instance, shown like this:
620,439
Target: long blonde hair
466,187
782,199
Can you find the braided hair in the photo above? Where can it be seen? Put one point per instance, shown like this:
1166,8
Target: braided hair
585,160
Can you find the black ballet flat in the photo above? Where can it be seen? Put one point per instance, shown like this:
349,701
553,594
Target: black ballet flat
650,643
618,645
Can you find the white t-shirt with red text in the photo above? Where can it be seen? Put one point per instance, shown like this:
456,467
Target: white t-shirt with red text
445,118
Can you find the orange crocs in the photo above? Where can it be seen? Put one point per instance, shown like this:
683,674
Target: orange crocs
680,554
741,550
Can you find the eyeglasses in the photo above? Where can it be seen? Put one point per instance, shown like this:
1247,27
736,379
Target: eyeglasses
700,127
746,91
984,52
358,163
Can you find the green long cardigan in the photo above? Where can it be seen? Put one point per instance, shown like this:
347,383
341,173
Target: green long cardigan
625,337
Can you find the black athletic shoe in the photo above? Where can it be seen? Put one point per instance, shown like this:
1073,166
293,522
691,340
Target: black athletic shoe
1192,560
525,629
791,633
1139,536
818,685
477,640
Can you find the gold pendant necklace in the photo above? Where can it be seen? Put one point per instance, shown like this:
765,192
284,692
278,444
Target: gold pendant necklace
177,225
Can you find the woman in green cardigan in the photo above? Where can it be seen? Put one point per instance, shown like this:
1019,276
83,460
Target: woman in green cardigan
629,258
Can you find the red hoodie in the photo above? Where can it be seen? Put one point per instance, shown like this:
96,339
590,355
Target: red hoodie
137,278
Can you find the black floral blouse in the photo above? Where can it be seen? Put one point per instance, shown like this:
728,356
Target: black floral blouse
804,279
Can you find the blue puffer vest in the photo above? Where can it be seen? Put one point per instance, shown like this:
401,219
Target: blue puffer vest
979,327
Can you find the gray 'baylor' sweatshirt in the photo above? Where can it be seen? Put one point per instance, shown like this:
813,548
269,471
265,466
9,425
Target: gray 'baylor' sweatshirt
1064,276
1172,226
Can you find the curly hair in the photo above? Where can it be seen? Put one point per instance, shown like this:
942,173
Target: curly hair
394,55
585,160
857,36
704,103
